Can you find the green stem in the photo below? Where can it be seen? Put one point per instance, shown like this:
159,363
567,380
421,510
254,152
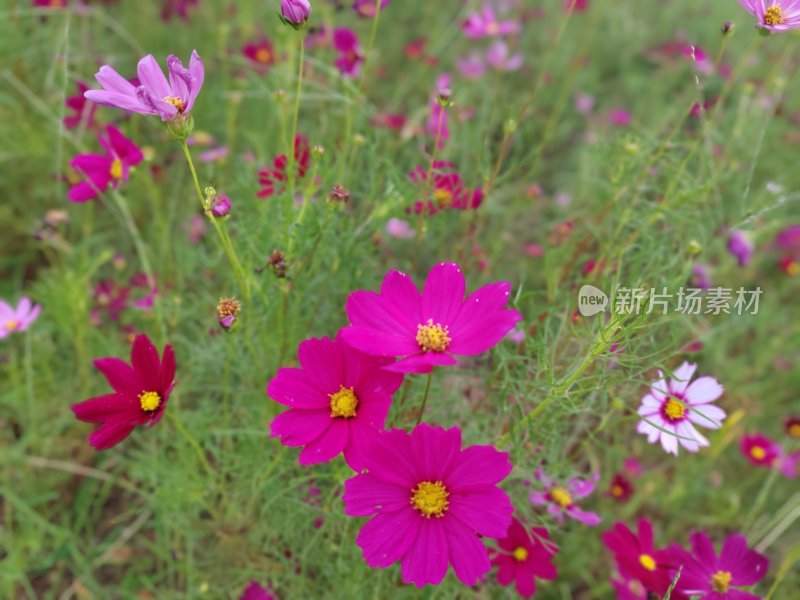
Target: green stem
429,177
290,154
374,32
425,397
192,442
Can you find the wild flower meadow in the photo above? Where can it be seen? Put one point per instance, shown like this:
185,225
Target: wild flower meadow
399,299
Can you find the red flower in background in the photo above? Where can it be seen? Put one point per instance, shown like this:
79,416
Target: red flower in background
261,53
271,177
446,190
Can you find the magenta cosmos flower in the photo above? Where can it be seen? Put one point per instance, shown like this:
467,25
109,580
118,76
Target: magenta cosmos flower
524,555
255,592
428,328
368,8
141,392
760,450
429,501
671,410
716,577
339,400
560,500
485,24
17,319
104,170
156,95
345,42
774,15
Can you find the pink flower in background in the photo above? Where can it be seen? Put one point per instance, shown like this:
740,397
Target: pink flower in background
350,58
759,450
261,53
671,410
270,178
82,110
620,489
524,555
774,15
427,329
629,589
17,319
716,577
430,501
141,392
110,297
620,117
499,58
584,103
788,238
368,8
155,95
789,465
560,499
740,247
339,399
255,592
700,278
400,229
50,3
447,190
104,170
486,24
472,66
177,7
576,5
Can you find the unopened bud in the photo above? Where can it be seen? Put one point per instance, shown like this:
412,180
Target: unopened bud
220,206
339,194
445,97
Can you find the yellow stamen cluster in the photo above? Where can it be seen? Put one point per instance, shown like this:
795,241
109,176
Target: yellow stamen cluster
648,562
443,197
263,55
561,497
430,498
149,401
12,325
433,337
520,554
176,102
773,16
674,409
758,452
794,430
116,169
617,491
720,581
228,307
344,403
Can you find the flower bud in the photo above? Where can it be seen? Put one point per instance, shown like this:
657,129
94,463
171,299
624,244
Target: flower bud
295,12
727,27
444,97
227,311
339,194
277,262
220,206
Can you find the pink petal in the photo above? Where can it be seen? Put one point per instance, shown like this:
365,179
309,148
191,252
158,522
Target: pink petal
106,408
291,387
479,465
707,415
426,560
197,70
380,342
110,434
152,77
681,377
421,363
388,537
483,332
434,449
298,427
703,391
366,495
468,555
322,364
584,516
443,294
328,445
486,509
144,358
120,375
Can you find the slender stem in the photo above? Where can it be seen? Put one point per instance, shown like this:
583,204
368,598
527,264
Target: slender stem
192,442
290,154
425,397
429,176
375,22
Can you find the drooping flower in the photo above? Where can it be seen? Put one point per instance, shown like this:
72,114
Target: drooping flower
350,58
155,95
261,53
17,319
429,501
254,591
368,8
560,499
295,12
759,450
339,399
486,24
717,577
524,555
427,329
638,558
140,396
271,177
672,408
740,247
82,110
774,15
446,189
104,170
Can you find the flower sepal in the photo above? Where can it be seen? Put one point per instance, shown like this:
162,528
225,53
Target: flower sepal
181,127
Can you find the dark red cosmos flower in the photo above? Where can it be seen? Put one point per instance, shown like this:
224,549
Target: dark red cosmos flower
620,488
446,190
270,177
141,392
524,555
260,53
176,7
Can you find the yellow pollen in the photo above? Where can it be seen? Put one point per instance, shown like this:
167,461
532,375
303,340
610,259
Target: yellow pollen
794,430
116,169
674,409
11,325
720,581
343,403
561,497
149,401
430,498
443,197
176,102
433,338
617,491
793,269
647,562
520,554
773,16
263,55
758,453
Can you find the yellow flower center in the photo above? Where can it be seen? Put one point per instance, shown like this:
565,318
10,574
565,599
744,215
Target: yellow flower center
674,409
648,562
794,430
116,169
493,28
430,498
149,401
443,197
720,581
12,325
561,497
758,452
343,403
433,338
617,491
263,55
520,554
773,16
176,102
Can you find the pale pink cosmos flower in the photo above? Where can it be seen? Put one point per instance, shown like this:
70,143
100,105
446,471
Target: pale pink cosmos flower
486,24
560,499
155,95
499,58
400,229
673,407
17,319
774,15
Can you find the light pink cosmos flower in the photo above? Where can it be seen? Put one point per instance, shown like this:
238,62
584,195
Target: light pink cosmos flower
499,58
789,465
486,24
339,400
430,501
774,15
104,170
350,58
672,408
400,229
560,499
428,328
19,318
155,95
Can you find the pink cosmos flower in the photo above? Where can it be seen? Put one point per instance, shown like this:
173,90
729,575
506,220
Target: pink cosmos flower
350,58
141,392
716,577
339,399
620,489
176,7
774,15
629,589
50,3
560,500
368,8
255,592
620,117
671,410
104,170
155,95
789,465
270,178
397,228
759,450
499,58
260,53
447,190
429,501
740,247
524,555
109,297
17,319
428,328
486,24
82,110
